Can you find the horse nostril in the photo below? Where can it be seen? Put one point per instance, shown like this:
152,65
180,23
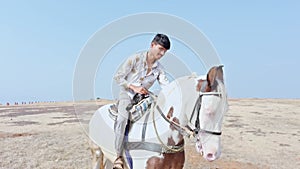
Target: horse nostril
210,157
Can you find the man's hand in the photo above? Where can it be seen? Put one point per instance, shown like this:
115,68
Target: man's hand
138,89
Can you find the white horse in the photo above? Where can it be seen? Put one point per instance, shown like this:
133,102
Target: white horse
187,107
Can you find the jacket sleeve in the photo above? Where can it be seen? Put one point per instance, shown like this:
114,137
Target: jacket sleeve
122,73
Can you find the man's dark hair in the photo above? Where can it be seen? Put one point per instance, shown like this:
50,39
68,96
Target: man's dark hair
162,40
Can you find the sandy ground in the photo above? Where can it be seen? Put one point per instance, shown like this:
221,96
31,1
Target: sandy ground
257,133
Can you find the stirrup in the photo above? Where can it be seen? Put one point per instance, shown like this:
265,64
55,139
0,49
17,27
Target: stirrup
118,164
113,111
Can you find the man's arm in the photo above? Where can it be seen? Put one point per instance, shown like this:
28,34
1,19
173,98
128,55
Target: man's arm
124,70
138,89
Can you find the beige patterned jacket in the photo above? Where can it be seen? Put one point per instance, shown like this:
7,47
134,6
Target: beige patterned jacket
134,69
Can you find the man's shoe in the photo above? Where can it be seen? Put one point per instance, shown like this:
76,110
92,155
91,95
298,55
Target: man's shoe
119,163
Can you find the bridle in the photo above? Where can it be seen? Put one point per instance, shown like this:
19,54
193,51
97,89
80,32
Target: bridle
187,130
197,108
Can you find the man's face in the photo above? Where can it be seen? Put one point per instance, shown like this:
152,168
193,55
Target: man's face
158,50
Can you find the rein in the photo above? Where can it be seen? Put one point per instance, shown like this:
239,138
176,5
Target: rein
186,131
166,148
183,130
170,149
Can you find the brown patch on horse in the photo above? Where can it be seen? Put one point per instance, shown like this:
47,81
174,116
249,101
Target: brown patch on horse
170,113
169,160
154,163
199,86
176,120
173,160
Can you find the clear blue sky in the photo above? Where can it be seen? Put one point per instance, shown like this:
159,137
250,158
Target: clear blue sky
40,41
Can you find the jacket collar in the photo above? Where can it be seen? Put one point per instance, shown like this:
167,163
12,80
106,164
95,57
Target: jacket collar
155,64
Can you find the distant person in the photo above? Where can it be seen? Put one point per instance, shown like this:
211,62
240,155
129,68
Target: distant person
136,76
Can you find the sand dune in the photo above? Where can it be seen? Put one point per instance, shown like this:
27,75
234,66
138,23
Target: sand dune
257,133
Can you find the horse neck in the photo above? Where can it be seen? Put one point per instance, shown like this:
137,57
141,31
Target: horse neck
189,98
179,96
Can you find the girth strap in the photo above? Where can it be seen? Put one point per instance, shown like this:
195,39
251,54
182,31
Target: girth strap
154,147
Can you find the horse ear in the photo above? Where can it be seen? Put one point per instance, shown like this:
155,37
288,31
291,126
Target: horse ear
220,74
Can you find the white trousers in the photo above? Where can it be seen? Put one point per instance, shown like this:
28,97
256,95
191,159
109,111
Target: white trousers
121,122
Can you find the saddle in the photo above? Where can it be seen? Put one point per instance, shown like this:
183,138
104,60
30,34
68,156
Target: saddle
140,104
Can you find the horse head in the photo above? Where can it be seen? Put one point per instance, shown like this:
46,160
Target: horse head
200,110
213,105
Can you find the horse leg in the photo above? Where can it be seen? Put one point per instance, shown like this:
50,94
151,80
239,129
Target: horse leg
169,160
154,163
174,160
97,156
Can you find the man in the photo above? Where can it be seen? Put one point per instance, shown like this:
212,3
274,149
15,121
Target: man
137,75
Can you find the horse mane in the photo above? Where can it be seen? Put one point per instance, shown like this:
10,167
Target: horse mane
214,75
